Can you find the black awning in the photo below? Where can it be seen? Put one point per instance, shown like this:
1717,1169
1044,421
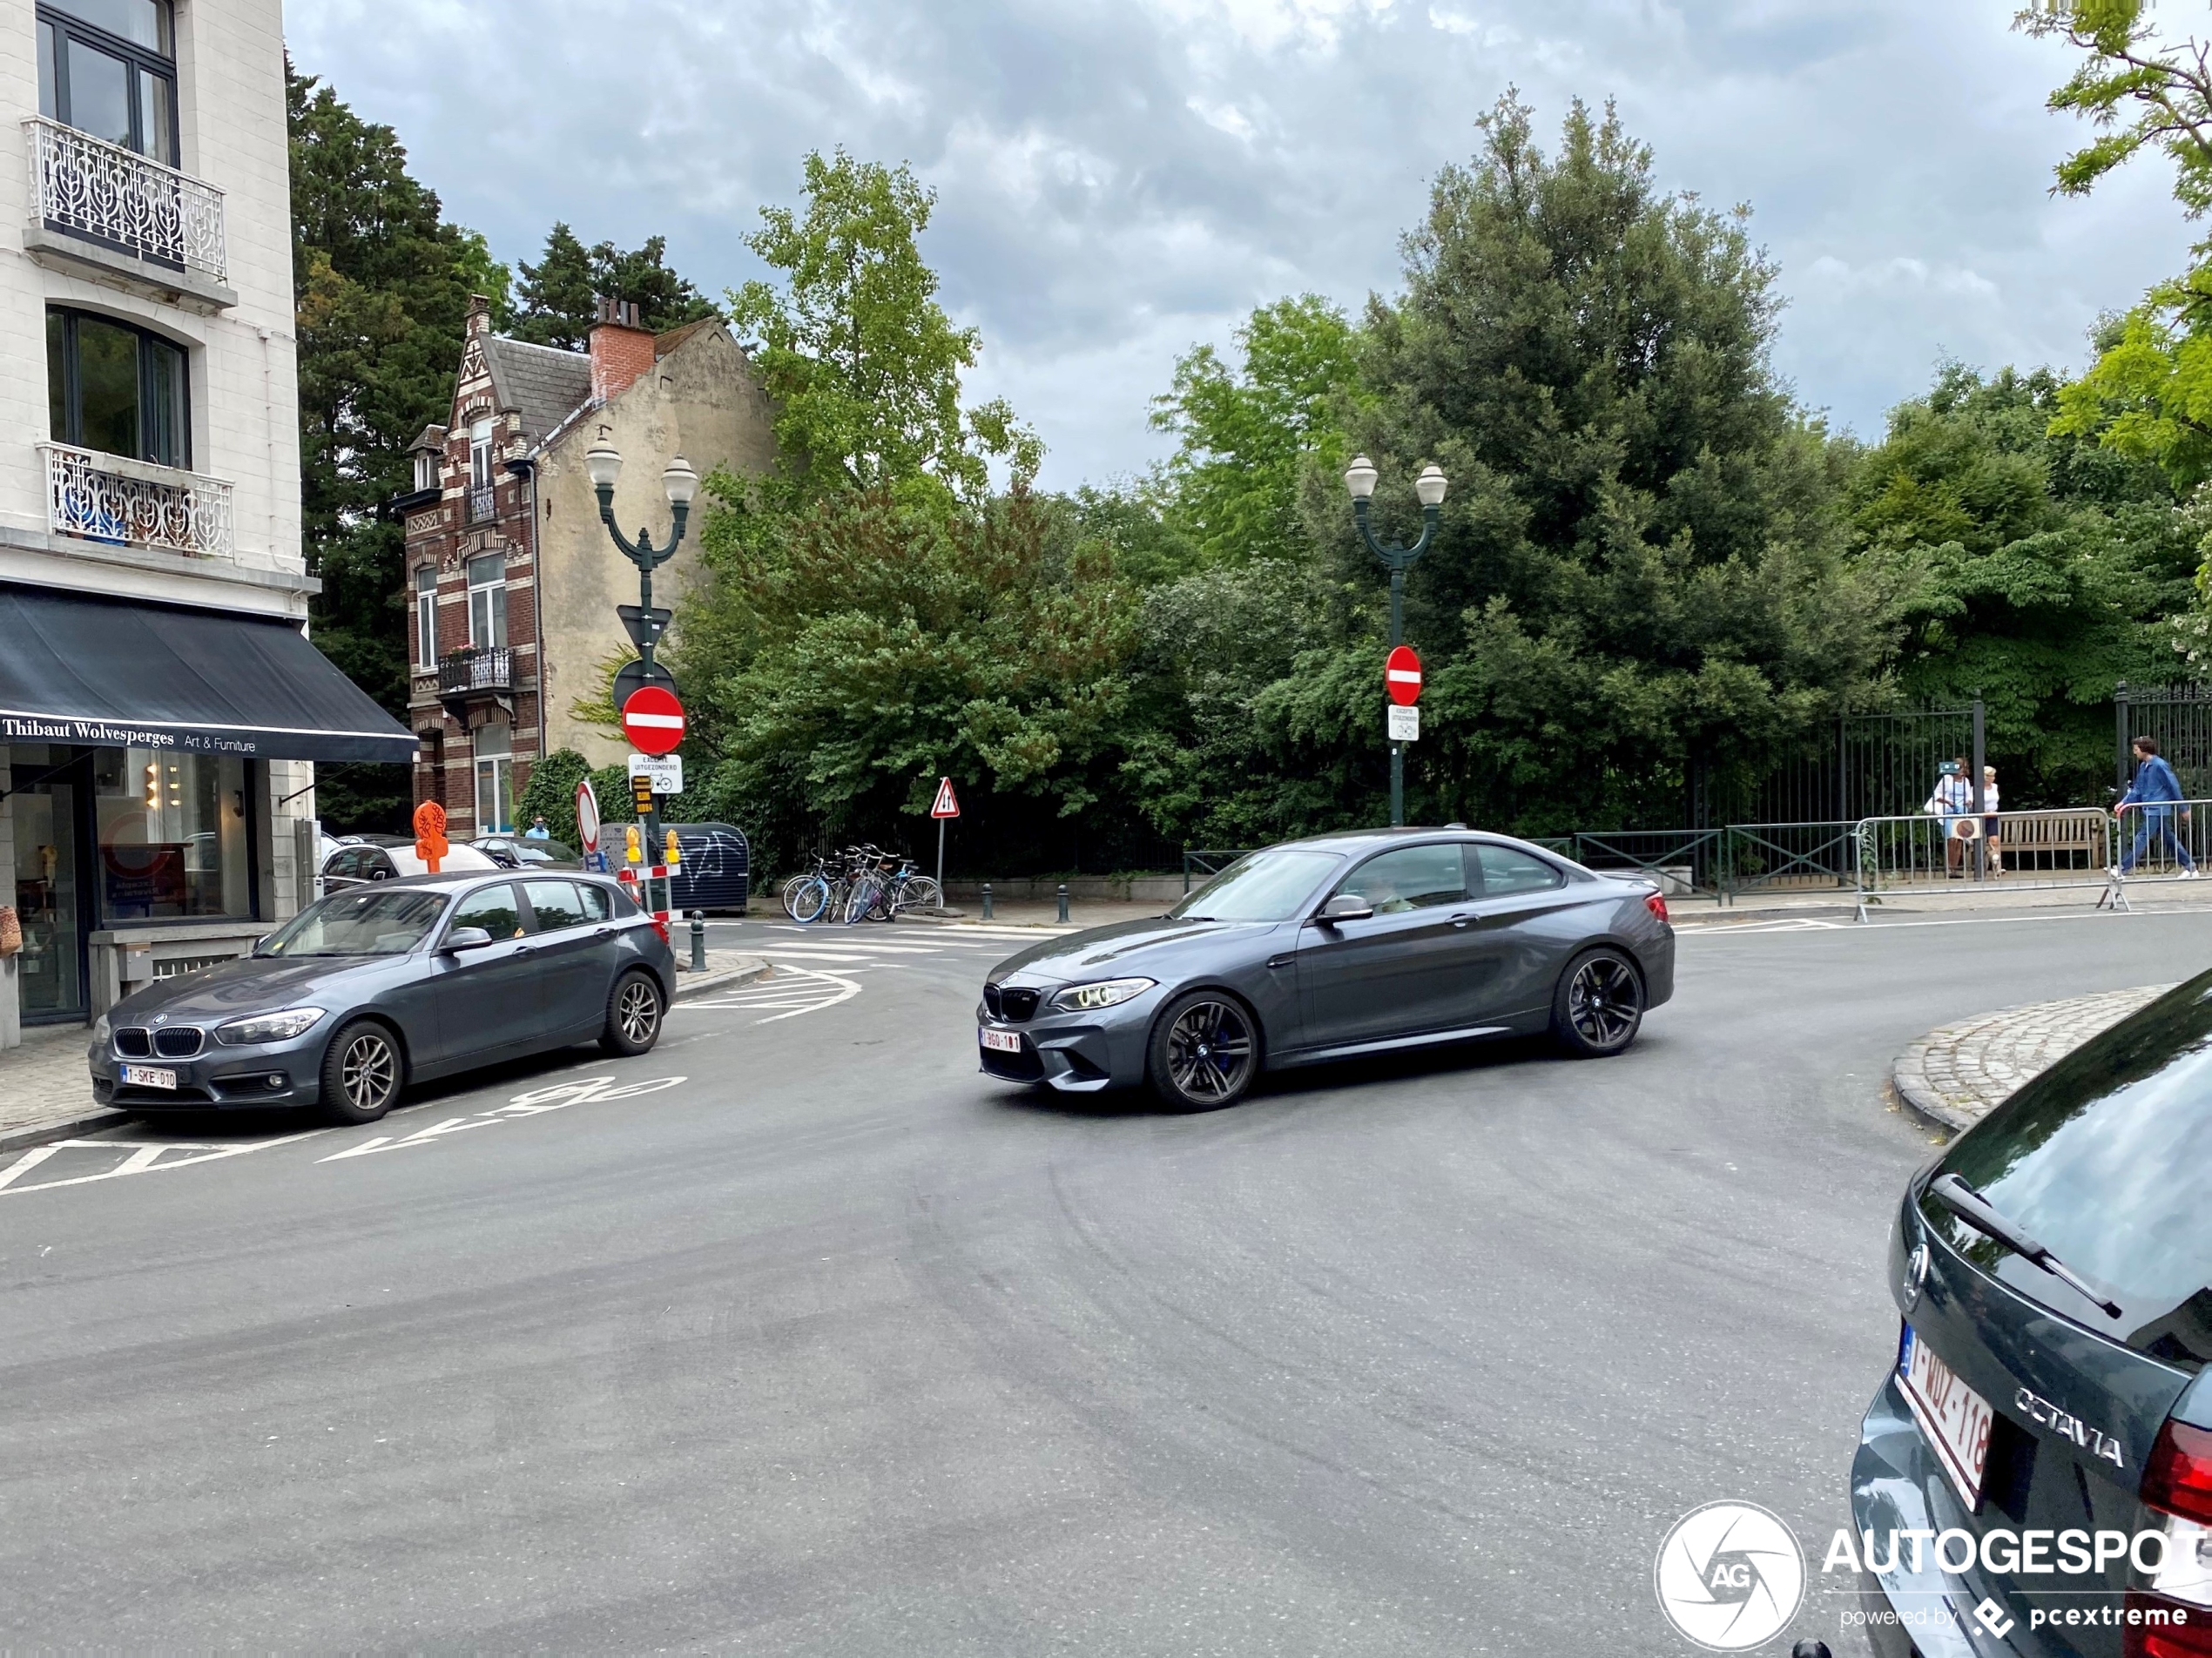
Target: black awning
122,673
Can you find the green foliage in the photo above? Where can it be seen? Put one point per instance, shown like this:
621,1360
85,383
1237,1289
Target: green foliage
1638,571
2138,90
862,361
381,286
2031,567
1244,433
550,794
882,641
557,298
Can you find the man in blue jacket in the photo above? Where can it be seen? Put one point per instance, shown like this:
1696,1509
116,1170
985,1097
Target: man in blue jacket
2152,797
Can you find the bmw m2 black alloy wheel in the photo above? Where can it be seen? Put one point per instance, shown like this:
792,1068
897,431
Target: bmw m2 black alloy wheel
1204,1052
362,1072
633,1015
1599,1004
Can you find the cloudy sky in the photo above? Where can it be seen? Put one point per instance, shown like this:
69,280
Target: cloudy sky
1119,179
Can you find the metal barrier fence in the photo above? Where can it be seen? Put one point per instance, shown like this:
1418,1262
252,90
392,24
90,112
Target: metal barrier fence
1208,863
2082,848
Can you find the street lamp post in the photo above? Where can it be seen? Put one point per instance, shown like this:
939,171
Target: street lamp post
1360,478
602,464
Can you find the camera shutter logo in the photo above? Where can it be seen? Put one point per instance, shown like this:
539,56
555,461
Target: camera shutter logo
1729,1576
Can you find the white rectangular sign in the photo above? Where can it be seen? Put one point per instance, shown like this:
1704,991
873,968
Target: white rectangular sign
666,772
1405,724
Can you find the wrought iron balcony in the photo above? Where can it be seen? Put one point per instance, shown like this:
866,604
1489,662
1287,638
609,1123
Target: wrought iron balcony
486,669
104,497
483,504
89,187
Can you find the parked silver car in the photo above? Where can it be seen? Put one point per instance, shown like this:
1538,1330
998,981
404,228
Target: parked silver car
1328,949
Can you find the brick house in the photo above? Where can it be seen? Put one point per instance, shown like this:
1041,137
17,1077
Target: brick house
511,580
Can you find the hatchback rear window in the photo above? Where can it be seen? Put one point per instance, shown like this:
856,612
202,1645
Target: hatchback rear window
2107,1160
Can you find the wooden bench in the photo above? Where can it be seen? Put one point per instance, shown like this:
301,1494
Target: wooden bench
2069,837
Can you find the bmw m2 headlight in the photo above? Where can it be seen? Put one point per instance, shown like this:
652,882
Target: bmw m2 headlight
267,1028
1082,998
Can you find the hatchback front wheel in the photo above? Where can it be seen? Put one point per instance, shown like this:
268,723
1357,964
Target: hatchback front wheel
362,1073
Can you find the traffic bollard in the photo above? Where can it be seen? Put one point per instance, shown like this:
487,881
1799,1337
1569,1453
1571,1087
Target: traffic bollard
987,900
698,941
1063,900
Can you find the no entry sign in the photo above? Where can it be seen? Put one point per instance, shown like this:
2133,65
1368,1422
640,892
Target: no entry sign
653,720
1402,677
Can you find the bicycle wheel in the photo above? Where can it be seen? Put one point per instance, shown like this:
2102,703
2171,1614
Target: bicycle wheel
792,888
921,894
812,901
863,895
882,902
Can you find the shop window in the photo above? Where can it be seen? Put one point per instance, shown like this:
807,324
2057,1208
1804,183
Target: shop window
488,600
116,388
426,617
108,68
173,831
494,780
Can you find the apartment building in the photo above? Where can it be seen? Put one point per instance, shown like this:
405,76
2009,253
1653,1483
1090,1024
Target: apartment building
512,581
160,706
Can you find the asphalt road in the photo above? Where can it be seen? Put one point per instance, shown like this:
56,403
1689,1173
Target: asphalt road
833,1345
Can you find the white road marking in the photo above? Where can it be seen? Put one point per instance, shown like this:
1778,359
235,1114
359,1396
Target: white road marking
581,1091
143,1159
819,990
24,1164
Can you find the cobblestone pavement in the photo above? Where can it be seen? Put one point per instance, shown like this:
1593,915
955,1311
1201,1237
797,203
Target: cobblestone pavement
1956,1073
46,1094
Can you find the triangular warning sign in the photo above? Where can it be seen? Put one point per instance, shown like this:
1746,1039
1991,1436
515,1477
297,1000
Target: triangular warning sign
945,806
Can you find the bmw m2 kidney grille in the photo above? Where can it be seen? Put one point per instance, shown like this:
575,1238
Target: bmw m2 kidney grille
1006,1002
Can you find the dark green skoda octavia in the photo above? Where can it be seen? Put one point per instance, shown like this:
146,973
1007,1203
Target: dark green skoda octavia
2035,1474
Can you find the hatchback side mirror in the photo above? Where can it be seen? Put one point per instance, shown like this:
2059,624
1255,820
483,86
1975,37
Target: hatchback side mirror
1347,907
466,938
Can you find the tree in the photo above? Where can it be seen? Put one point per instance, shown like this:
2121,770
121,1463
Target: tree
380,284
2163,89
1639,580
2034,569
1245,433
862,362
557,298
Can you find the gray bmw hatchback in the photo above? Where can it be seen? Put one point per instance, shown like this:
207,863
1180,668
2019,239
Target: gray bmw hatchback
373,987
2034,1475
1332,948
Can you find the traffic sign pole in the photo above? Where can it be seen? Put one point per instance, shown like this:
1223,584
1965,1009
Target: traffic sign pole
944,808
1402,687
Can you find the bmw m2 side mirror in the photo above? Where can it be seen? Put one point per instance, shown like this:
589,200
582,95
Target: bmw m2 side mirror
1345,906
466,938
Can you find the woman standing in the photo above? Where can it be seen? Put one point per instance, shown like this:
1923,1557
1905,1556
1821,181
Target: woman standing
1989,819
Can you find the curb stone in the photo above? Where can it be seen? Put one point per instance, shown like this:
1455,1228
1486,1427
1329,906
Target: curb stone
1951,1078
744,970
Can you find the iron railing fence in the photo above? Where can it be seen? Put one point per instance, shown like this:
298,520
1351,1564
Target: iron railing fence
1206,864
106,497
2178,718
1855,767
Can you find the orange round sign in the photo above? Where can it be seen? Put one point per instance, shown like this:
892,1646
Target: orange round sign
430,834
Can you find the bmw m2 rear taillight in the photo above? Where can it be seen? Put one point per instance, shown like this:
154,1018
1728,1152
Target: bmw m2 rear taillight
1657,903
2174,1619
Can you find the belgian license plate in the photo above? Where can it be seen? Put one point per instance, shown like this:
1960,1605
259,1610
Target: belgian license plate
1954,1418
149,1076
1001,1041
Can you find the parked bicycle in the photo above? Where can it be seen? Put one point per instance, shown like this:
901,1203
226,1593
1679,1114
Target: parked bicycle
861,883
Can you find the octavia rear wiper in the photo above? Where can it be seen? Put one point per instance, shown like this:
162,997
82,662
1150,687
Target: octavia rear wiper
1976,1211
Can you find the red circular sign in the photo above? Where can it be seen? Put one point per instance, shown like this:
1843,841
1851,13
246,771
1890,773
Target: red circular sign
653,720
1402,677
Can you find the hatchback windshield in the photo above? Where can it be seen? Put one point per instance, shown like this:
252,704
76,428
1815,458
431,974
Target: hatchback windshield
359,923
2106,1159
1269,885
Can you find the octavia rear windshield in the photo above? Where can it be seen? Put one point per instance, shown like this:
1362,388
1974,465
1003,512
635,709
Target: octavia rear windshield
358,923
2106,1159
1270,885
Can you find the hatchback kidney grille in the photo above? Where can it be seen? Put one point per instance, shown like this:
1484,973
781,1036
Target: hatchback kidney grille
131,1042
181,1043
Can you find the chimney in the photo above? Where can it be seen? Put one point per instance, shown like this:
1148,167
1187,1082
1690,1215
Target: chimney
479,316
621,348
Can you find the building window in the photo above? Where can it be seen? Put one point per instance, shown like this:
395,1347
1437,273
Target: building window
426,617
117,389
494,780
426,469
108,68
482,502
488,600
173,829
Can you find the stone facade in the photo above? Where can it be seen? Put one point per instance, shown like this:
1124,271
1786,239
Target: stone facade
233,543
502,487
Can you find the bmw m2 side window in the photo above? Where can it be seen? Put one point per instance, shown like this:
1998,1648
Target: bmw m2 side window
1410,877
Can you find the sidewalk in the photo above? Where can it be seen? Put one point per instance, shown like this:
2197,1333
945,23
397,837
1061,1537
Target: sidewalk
46,1094
1956,1073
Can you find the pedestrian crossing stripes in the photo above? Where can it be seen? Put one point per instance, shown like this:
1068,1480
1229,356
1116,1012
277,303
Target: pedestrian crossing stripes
789,992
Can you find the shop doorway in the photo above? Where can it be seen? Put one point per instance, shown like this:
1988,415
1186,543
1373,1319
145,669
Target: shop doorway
53,895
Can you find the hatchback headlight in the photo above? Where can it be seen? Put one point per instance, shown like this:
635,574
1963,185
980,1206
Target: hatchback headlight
1081,998
267,1028
100,1031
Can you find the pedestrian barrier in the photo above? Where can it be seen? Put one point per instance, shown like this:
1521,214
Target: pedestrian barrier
1927,856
